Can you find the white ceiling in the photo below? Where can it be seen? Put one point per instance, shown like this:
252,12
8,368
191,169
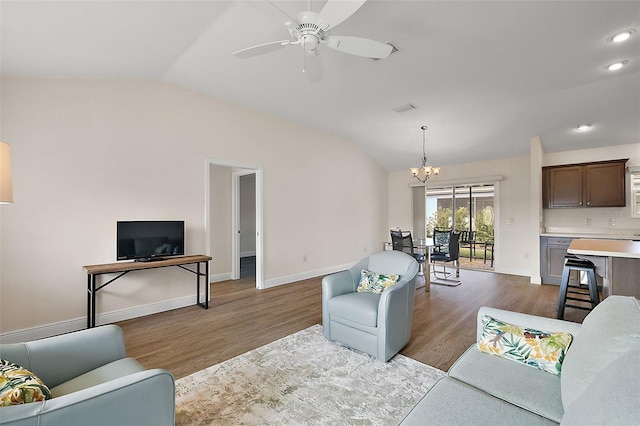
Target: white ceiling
486,76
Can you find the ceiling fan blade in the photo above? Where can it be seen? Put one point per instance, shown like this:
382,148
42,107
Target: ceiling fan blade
313,68
275,12
337,11
261,49
360,46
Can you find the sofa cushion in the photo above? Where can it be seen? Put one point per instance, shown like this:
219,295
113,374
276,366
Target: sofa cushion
20,386
544,350
373,282
609,331
114,370
619,384
526,387
450,402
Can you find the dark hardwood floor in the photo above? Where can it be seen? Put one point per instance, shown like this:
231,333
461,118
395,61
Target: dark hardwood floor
241,318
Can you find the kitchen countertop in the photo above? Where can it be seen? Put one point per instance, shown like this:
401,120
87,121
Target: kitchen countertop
602,247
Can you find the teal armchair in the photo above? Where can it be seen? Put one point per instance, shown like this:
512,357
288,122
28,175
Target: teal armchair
92,382
377,324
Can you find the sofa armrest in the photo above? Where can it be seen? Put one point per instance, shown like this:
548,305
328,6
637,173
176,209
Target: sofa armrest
58,359
144,398
526,320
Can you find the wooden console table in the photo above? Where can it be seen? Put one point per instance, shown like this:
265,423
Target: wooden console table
123,268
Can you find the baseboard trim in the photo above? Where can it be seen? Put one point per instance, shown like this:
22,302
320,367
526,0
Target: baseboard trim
219,277
273,282
76,324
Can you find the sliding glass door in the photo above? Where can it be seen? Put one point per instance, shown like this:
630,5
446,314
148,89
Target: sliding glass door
468,209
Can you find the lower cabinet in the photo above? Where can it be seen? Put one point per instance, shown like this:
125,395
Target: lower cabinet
552,253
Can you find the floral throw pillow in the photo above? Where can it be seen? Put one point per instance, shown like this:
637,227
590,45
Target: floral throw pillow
540,349
20,386
372,282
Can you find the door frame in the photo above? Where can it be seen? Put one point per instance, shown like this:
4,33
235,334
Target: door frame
237,169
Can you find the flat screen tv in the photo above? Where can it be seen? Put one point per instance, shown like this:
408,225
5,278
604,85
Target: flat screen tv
144,241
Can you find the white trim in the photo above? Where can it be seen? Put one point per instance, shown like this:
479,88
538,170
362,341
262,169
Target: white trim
463,181
273,282
219,277
250,169
235,223
76,324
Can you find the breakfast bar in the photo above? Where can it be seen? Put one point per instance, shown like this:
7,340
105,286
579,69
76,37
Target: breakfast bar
616,261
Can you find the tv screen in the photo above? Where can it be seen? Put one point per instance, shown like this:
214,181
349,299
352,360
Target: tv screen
149,240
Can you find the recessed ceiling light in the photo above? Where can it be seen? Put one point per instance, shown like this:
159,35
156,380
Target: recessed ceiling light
583,128
622,36
616,65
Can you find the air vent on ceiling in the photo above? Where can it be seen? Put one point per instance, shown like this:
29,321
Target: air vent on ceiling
394,49
405,108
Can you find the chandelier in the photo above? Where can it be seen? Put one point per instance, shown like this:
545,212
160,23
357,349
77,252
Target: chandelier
424,172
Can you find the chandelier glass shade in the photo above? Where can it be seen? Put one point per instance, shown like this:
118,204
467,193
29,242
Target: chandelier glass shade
425,171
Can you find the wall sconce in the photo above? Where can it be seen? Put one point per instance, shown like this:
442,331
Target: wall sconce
6,191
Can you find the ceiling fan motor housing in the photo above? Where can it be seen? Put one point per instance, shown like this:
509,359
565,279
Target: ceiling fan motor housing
308,32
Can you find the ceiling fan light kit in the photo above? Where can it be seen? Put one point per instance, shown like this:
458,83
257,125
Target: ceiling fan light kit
310,30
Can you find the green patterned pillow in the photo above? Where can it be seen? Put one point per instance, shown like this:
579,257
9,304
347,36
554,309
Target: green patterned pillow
372,282
20,386
540,349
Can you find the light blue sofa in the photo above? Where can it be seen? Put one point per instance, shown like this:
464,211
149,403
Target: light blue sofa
92,382
377,324
599,382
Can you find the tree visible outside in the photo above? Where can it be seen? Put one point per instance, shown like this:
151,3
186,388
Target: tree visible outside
483,222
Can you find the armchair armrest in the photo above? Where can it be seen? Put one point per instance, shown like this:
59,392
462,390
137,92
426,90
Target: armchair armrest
58,359
526,320
334,285
144,398
395,317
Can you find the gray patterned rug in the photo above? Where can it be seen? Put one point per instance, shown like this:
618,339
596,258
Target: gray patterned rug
303,379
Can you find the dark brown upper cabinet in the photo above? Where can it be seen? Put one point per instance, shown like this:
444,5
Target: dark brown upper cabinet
599,184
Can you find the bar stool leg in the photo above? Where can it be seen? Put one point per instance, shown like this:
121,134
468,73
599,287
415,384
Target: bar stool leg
593,288
562,295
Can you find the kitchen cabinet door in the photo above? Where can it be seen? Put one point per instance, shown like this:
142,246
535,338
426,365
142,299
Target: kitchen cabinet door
605,184
564,187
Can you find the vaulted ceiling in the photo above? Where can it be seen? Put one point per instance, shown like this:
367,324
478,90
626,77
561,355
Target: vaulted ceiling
484,76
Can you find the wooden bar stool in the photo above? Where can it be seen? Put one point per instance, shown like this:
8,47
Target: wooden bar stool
573,263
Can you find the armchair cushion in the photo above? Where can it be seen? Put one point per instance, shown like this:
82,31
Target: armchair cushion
20,386
544,350
360,308
372,282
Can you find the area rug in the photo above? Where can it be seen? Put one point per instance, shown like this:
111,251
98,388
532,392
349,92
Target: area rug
303,379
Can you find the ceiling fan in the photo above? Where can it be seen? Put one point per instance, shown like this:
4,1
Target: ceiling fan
309,30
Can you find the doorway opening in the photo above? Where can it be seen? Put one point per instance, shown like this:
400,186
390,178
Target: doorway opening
233,221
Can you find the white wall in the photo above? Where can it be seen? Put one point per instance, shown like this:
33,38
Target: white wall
87,153
512,251
220,220
575,218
